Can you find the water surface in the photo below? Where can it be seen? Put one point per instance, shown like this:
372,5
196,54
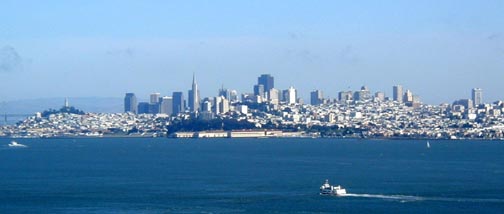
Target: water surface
133,175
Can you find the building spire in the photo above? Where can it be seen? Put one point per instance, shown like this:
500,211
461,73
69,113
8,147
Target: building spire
193,78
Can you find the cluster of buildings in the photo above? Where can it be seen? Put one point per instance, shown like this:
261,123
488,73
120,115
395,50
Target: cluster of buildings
280,113
264,92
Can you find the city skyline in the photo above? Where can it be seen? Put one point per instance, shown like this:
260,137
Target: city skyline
265,92
71,49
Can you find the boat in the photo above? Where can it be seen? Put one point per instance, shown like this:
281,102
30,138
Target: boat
428,145
327,189
16,144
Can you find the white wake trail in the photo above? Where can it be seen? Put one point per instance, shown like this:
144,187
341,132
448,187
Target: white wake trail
391,197
408,198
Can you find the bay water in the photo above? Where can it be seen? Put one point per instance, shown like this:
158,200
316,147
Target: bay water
158,175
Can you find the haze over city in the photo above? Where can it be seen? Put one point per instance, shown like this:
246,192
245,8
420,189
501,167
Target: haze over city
440,50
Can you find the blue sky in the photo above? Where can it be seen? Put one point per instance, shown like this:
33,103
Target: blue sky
438,49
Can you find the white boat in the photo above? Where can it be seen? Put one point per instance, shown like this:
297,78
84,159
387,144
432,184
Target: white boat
428,145
16,144
327,189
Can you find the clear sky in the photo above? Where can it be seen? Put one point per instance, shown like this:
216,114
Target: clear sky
437,49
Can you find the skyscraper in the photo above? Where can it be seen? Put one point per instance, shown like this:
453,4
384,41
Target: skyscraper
344,96
194,98
259,90
477,96
291,95
316,97
233,96
154,98
274,96
143,108
178,102
154,107
166,105
398,93
364,94
380,96
225,93
267,81
130,103
408,96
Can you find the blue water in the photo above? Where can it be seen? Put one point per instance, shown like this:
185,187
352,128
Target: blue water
250,176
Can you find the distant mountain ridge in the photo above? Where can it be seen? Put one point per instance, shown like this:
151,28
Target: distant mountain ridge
87,104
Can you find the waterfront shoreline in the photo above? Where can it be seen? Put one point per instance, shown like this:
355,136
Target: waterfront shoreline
273,137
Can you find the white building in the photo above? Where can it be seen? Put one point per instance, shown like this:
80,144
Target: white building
291,95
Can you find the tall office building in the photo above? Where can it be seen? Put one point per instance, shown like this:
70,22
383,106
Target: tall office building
153,108
282,95
316,97
398,93
267,81
130,103
178,102
225,93
291,95
344,96
408,96
224,105
274,96
363,95
194,97
221,105
143,107
259,90
467,103
206,105
477,96
233,96
380,96
166,105
154,98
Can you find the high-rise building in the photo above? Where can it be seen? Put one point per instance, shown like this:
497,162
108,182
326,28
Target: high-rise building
216,105
166,105
206,105
267,81
284,95
467,103
291,95
380,96
364,94
344,96
274,96
143,108
130,103
247,97
221,105
316,97
398,93
259,90
477,96
154,98
194,97
225,93
178,102
154,108
233,96
408,96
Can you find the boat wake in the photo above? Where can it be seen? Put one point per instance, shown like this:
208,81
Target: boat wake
390,197
410,198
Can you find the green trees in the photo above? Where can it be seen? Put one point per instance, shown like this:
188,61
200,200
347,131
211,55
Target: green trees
195,125
70,110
